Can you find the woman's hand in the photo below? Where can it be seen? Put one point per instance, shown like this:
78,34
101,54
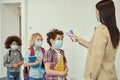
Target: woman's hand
75,37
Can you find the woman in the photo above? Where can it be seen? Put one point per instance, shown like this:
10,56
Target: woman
102,48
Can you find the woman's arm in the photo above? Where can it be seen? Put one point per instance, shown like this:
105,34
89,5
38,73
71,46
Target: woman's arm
80,41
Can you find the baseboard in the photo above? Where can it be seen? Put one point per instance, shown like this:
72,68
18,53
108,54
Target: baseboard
4,78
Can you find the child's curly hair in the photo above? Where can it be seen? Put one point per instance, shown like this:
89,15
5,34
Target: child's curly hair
10,39
52,35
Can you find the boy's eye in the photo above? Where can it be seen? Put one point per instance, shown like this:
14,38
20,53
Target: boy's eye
14,43
59,39
38,40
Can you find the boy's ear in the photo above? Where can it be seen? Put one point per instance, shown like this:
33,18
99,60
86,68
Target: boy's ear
51,41
10,45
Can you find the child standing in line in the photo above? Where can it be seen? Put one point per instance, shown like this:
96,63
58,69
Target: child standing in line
13,59
53,54
35,72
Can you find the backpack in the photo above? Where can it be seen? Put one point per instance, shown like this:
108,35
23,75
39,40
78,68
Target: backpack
9,56
26,69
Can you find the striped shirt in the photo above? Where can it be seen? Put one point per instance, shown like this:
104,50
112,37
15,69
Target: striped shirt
52,57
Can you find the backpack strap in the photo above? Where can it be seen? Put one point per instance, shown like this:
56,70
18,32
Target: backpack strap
17,51
9,56
61,51
26,69
32,52
43,50
9,53
51,55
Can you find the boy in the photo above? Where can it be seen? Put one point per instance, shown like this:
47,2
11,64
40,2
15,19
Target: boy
53,55
13,59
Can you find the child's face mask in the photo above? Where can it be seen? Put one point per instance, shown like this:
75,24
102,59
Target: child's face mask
14,47
58,44
38,43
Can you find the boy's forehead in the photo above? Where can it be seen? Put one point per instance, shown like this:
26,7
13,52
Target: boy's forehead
38,37
58,36
14,42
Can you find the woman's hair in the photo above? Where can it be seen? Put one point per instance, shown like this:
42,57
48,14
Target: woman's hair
11,39
106,10
33,38
52,35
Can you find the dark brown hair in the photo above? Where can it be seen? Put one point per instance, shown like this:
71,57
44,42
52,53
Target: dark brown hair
106,10
52,35
10,39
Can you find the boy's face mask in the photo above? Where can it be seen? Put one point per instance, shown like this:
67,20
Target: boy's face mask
14,47
38,43
58,44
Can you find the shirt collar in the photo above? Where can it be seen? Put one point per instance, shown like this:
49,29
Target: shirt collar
37,48
55,51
